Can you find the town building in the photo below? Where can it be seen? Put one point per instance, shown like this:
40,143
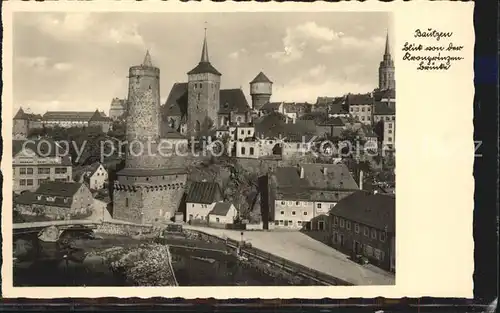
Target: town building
386,79
151,186
95,176
360,106
66,119
364,224
200,104
101,121
36,162
386,115
279,137
56,200
222,213
201,199
117,109
301,197
24,122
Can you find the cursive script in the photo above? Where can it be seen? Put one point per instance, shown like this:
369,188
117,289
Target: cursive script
432,50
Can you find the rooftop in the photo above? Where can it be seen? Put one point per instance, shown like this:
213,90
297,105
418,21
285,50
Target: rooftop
221,208
374,210
261,78
203,192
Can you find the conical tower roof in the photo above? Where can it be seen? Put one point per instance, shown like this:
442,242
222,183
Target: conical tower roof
387,48
147,60
204,66
261,78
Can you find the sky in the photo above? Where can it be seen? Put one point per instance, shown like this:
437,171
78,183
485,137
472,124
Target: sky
80,61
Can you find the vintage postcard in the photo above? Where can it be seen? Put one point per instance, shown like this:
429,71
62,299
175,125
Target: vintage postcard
189,146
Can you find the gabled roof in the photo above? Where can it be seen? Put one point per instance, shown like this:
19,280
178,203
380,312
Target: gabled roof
274,125
61,189
203,192
261,78
176,104
221,208
20,115
68,115
98,117
297,107
118,104
383,108
374,210
233,100
230,100
271,106
44,148
360,99
336,177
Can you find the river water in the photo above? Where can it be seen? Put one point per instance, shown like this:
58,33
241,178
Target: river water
47,266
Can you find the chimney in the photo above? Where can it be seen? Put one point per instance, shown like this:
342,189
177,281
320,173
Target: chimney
301,171
360,180
325,171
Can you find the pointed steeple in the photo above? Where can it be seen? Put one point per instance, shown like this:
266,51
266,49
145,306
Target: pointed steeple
387,49
204,51
147,60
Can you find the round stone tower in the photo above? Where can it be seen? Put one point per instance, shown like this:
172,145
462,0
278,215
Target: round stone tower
261,89
149,188
143,115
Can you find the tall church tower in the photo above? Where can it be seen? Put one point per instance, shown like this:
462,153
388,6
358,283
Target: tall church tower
386,69
149,188
203,94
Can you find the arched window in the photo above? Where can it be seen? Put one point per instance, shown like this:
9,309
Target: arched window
197,126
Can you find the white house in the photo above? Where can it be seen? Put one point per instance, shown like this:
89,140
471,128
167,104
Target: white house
201,199
94,175
223,213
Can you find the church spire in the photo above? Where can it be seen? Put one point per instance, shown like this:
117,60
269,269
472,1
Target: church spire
387,49
147,60
204,51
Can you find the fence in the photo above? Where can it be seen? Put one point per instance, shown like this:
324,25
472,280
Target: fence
284,263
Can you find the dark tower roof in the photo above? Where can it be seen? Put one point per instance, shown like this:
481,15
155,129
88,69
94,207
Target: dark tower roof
204,66
261,78
97,116
20,115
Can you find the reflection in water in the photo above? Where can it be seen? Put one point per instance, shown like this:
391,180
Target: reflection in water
62,264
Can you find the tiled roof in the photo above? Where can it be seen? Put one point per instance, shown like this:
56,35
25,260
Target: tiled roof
322,101
98,117
62,189
384,94
359,99
261,78
86,171
68,115
271,106
231,100
204,67
221,208
337,176
374,210
274,125
176,104
20,115
203,192
43,148
382,108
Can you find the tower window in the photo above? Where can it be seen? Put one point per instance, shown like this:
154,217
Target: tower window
149,87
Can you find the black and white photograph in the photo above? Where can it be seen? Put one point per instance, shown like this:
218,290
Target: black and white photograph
203,149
